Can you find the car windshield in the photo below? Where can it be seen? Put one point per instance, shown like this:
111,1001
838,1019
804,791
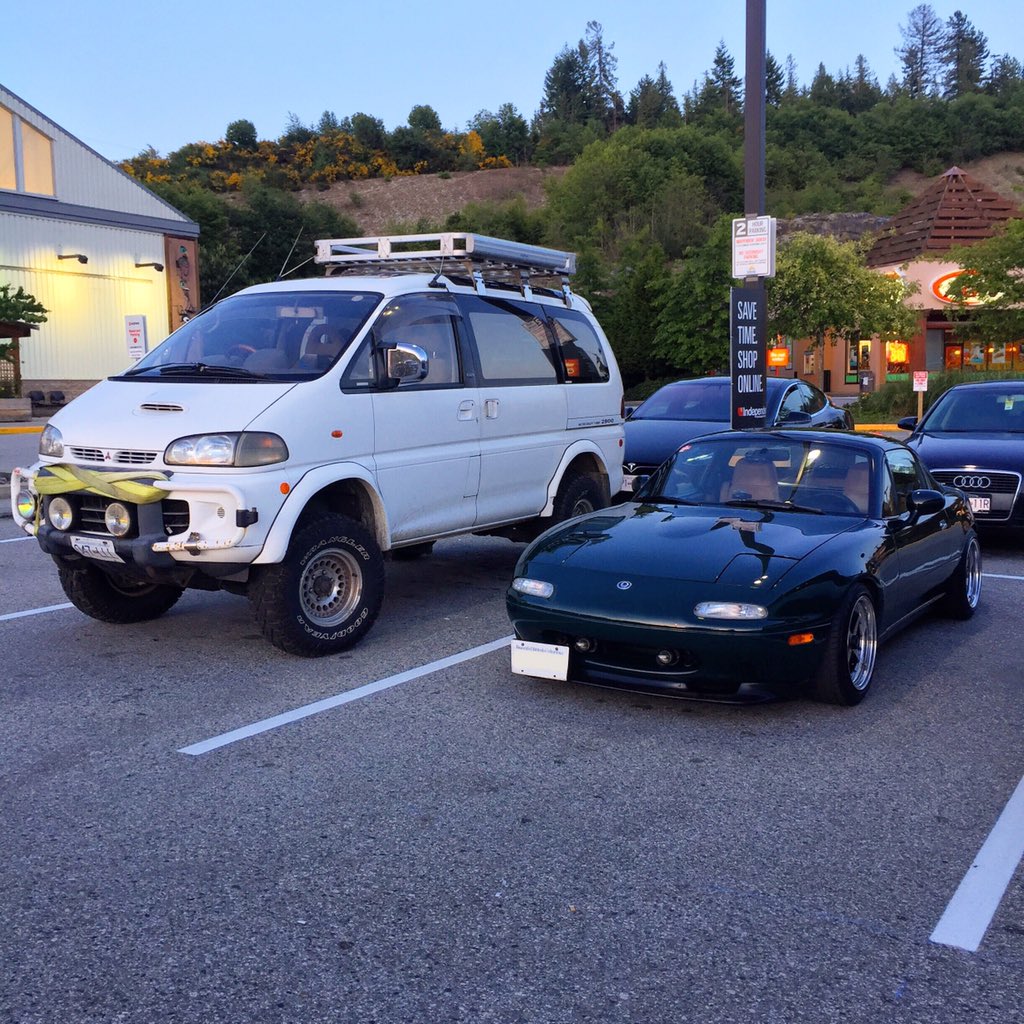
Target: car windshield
814,476
707,401
271,336
980,409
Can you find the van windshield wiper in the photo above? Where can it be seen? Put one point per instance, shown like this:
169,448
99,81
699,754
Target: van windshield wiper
198,370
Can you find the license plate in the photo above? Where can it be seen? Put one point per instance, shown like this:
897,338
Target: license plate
96,547
628,482
979,504
544,661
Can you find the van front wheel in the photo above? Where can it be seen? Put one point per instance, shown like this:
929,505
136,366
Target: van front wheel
326,593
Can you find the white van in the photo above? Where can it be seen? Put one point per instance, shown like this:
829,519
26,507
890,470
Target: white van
278,443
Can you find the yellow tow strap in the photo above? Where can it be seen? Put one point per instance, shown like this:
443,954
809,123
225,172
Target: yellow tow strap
129,486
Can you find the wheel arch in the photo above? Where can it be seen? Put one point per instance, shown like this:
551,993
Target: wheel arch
352,494
581,458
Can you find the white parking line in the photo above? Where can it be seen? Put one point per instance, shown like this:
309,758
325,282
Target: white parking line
1001,576
327,703
13,540
970,911
35,611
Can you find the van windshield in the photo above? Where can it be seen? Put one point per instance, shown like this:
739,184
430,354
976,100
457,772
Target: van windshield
274,336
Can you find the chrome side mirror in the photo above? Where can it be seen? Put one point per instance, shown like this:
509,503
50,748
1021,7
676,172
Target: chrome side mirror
407,363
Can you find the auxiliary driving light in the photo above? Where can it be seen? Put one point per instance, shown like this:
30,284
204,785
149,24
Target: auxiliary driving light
117,519
60,513
26,503
584,644
667,657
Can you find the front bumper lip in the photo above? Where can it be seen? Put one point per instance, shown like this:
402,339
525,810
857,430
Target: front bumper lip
137,552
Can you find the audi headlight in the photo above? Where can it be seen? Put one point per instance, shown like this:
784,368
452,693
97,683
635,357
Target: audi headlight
51,442
244,449
729,610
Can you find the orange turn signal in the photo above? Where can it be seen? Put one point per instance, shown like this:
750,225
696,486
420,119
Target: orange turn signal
285,488
800,638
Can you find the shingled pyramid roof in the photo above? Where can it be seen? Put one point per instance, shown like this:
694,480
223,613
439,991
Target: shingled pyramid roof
955,209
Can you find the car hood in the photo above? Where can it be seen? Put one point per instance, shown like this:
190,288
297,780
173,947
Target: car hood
149,415
651,442
705,544
983,449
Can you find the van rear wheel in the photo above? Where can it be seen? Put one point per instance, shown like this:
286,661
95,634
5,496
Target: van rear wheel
326,593
577,495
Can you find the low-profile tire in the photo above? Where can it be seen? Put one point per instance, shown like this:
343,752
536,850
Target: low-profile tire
326,593
577,495
964,592
103,597
844,676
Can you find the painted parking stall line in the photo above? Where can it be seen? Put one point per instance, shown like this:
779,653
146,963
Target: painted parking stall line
266,724
14,540
35,611
1001,576
976,900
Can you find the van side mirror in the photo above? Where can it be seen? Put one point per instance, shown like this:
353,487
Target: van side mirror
405,363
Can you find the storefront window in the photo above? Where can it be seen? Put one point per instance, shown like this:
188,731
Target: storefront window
858,357
897,359
954,357
974,355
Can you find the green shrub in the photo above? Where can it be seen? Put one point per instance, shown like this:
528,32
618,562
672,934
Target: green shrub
897,398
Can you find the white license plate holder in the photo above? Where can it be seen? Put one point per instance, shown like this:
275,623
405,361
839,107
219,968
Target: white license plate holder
979,504
628,481
99,548
543,661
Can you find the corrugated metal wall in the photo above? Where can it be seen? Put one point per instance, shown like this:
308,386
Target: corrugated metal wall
84,336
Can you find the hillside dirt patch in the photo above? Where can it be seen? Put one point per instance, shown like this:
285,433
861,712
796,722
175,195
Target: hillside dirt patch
380,205
1002,172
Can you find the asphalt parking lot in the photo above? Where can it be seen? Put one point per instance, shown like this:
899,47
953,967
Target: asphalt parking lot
198,827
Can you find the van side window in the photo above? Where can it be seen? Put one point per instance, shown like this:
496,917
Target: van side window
512,341
582,355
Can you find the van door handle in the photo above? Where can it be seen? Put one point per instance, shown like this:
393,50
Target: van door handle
467,409
491,408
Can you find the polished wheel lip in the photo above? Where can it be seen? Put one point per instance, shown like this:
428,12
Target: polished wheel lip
331,587
861,642
972,573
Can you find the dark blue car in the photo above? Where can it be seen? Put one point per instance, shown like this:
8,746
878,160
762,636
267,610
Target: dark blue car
973,439
685,409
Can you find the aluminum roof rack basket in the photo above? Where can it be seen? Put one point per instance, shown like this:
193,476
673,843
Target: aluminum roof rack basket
485,260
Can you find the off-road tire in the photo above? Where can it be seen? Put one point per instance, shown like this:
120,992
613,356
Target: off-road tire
848,664
577,495
102,597
964,592
326,593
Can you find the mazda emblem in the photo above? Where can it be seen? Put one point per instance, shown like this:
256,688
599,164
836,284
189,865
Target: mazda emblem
623,584
972,483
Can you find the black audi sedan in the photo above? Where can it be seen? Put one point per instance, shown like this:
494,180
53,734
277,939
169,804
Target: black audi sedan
686,409
973,439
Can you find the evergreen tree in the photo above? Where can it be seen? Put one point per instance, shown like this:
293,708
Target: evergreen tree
652,104
921,52
1005,75
964,54
792,90
606,100
774,81
567,89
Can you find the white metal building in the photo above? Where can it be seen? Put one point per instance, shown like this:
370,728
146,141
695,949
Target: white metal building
95,247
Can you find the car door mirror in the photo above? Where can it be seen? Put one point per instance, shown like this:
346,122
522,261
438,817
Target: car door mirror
924,502
406,363
907,423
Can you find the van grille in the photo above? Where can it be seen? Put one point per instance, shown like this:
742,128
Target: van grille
92,507
121,457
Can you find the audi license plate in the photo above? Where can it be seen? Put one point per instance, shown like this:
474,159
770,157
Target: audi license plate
979,504
96,547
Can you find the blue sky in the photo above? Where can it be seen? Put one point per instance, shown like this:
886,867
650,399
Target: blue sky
122,76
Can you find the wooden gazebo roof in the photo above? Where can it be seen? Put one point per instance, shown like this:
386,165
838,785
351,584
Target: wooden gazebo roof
955,209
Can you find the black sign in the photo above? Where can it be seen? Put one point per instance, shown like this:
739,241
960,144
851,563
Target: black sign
746,356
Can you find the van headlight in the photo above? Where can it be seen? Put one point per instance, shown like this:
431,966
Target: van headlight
51,442
249,448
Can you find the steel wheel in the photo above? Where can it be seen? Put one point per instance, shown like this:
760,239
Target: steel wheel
331,587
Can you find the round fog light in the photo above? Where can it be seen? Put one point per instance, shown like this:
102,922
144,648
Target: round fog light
26,504
60,513
584,644
667,658
117,518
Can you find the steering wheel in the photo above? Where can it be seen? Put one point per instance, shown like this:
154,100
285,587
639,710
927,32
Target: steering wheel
239,353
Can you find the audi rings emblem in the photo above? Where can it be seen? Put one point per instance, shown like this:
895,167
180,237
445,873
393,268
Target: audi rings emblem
972,483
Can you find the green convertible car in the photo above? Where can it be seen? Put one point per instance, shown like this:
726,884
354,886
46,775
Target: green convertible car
749,561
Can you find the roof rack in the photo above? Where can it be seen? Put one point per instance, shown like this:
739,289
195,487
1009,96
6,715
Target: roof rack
485,259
